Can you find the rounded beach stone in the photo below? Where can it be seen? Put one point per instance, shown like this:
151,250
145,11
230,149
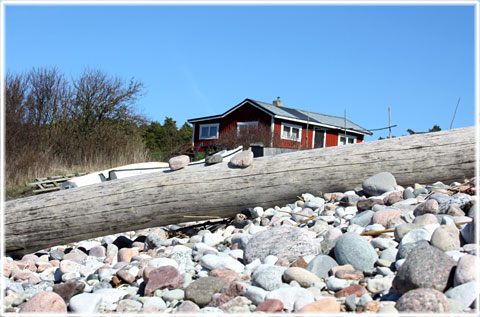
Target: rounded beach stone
163,277
352,249
393,198
324,305
242,159
45,302
357,290
446,238
428,207
304,277
69,289
363,218
425,219
178,162
425,267
270,306
289,295
321,265
284,241
423,300
226,274
406,248
85,303
268,277
384,215
214,159
465,293
379,183
187,307
466,270
200,291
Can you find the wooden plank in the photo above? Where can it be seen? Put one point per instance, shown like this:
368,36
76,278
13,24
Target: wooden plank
163,198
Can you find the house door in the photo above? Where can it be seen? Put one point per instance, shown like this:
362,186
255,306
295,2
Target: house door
319,138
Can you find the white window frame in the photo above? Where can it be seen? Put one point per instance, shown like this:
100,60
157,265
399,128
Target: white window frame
346,136
284,124
200,137
324,131
245,123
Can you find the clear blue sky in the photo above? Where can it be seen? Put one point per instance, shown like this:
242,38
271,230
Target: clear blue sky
197,61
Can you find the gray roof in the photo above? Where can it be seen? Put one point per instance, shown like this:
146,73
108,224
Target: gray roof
312,117
296,114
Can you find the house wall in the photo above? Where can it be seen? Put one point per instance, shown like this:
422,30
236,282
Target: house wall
242,114
251,113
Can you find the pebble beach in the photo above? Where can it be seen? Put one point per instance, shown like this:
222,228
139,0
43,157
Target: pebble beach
377,249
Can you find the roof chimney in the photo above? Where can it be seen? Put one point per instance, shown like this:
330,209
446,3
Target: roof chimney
278,102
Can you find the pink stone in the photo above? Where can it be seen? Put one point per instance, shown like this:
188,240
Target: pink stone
242,159
45,302
393,198
235,302
67,266
384,215
234,288
333,234
356,289
42,266
126,254
226,274
187,307
163,277
335,269
126,276
270,306
324,305
428,207
26,264
27,276
178,162
349,274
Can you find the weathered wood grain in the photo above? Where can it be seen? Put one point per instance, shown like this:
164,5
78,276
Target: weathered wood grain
163,198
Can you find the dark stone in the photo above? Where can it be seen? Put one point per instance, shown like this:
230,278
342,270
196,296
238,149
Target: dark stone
350,199
365,204
122,242
140,239
423,300
69,289
425,267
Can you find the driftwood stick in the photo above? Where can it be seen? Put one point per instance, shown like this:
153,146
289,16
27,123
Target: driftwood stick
164,198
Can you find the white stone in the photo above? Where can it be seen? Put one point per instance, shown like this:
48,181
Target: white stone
351,210
255,229
252,266
270,259
336,284
415,235
212,239
154,301
201,248
378,285
174,294
383,243
85,303
289,295
211,262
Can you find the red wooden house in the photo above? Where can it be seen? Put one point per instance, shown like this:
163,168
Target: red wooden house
289,127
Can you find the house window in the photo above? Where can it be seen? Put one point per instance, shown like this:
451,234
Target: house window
346,139
209,131
245,127
291,132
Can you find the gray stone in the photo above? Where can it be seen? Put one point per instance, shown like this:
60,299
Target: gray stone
352,249
465,293
423,300
255,294
406,248
268,277
445,201
321,265
415,235
351,302
214,159
468,232
153,241
242,159
408,193
365,298
178,162
200,291
420,191
379,183
363,218
336,284
241,239
456,306
284,242
446,238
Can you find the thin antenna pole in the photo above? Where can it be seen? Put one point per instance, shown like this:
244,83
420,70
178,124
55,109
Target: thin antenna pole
458,102
389,124
306,137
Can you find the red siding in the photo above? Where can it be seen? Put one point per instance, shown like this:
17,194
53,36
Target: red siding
242,114
248,112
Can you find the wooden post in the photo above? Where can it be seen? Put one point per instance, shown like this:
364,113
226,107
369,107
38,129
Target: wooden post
389,124
163,198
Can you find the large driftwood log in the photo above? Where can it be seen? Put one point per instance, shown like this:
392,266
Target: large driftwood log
163,198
